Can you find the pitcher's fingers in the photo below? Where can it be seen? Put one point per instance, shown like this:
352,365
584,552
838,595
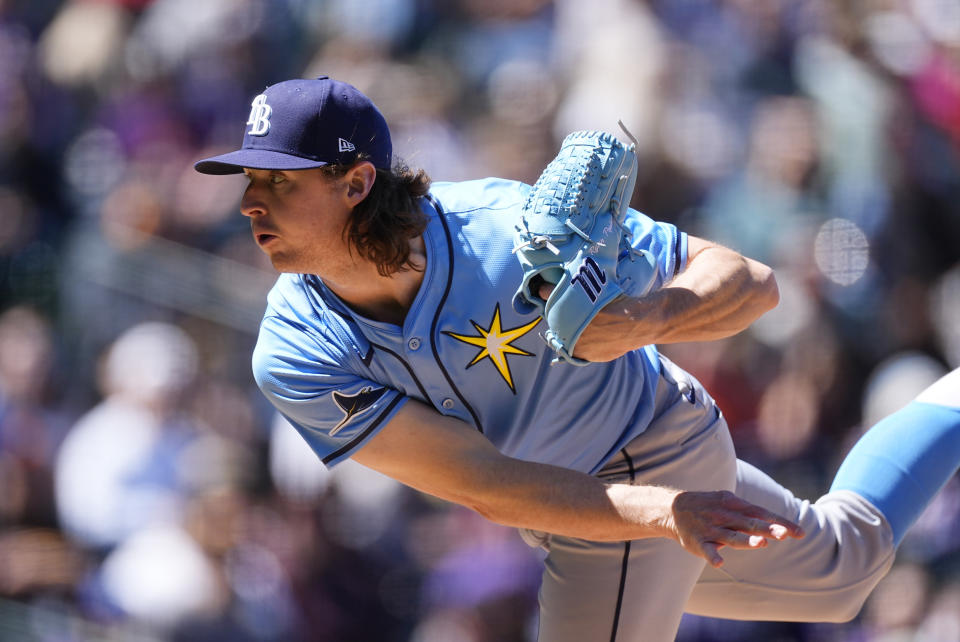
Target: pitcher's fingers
755,526
772,524
711,555
741,540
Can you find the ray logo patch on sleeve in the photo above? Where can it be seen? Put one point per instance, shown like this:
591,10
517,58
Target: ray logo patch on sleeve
355,404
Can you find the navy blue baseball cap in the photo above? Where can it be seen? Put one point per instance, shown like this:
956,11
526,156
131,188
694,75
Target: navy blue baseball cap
301,124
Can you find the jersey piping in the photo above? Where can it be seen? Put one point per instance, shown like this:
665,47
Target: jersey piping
436,316
406,365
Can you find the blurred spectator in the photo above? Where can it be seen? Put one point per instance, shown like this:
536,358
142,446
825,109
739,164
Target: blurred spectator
769,209
117,471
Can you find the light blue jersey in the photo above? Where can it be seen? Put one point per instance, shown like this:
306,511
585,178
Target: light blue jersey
339,377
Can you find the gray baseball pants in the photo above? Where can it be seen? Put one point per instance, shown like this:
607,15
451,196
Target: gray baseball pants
637,591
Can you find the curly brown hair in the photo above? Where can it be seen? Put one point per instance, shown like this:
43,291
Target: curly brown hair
381,226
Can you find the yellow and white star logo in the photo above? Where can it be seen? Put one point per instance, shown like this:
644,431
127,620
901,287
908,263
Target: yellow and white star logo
496,344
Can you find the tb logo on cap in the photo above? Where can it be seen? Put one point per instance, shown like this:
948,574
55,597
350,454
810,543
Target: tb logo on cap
259,116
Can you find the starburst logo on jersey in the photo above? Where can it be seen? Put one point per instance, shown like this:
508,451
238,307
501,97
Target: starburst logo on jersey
496,343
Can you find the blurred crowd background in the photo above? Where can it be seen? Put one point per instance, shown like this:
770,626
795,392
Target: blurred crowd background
148,493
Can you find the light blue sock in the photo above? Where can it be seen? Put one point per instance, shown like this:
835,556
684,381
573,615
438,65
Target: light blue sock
901,463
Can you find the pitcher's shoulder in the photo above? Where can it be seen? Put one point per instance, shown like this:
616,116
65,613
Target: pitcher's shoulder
484,193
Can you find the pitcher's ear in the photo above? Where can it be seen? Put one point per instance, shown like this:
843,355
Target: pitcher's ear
359,180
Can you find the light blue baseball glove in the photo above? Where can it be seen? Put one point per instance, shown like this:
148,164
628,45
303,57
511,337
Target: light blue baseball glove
571,234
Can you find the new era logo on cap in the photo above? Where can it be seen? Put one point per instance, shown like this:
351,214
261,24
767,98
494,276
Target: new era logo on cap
347,146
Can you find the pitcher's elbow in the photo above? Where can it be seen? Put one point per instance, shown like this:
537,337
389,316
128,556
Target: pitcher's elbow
768,290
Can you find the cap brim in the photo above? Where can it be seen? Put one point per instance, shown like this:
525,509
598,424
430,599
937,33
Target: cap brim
234,162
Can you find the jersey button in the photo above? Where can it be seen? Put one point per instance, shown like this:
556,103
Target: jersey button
448,403
413,343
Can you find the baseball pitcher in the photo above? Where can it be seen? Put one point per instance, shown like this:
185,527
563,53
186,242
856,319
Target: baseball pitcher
493,344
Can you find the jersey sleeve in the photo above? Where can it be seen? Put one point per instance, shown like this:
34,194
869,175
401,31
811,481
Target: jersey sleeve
663,240
305,378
